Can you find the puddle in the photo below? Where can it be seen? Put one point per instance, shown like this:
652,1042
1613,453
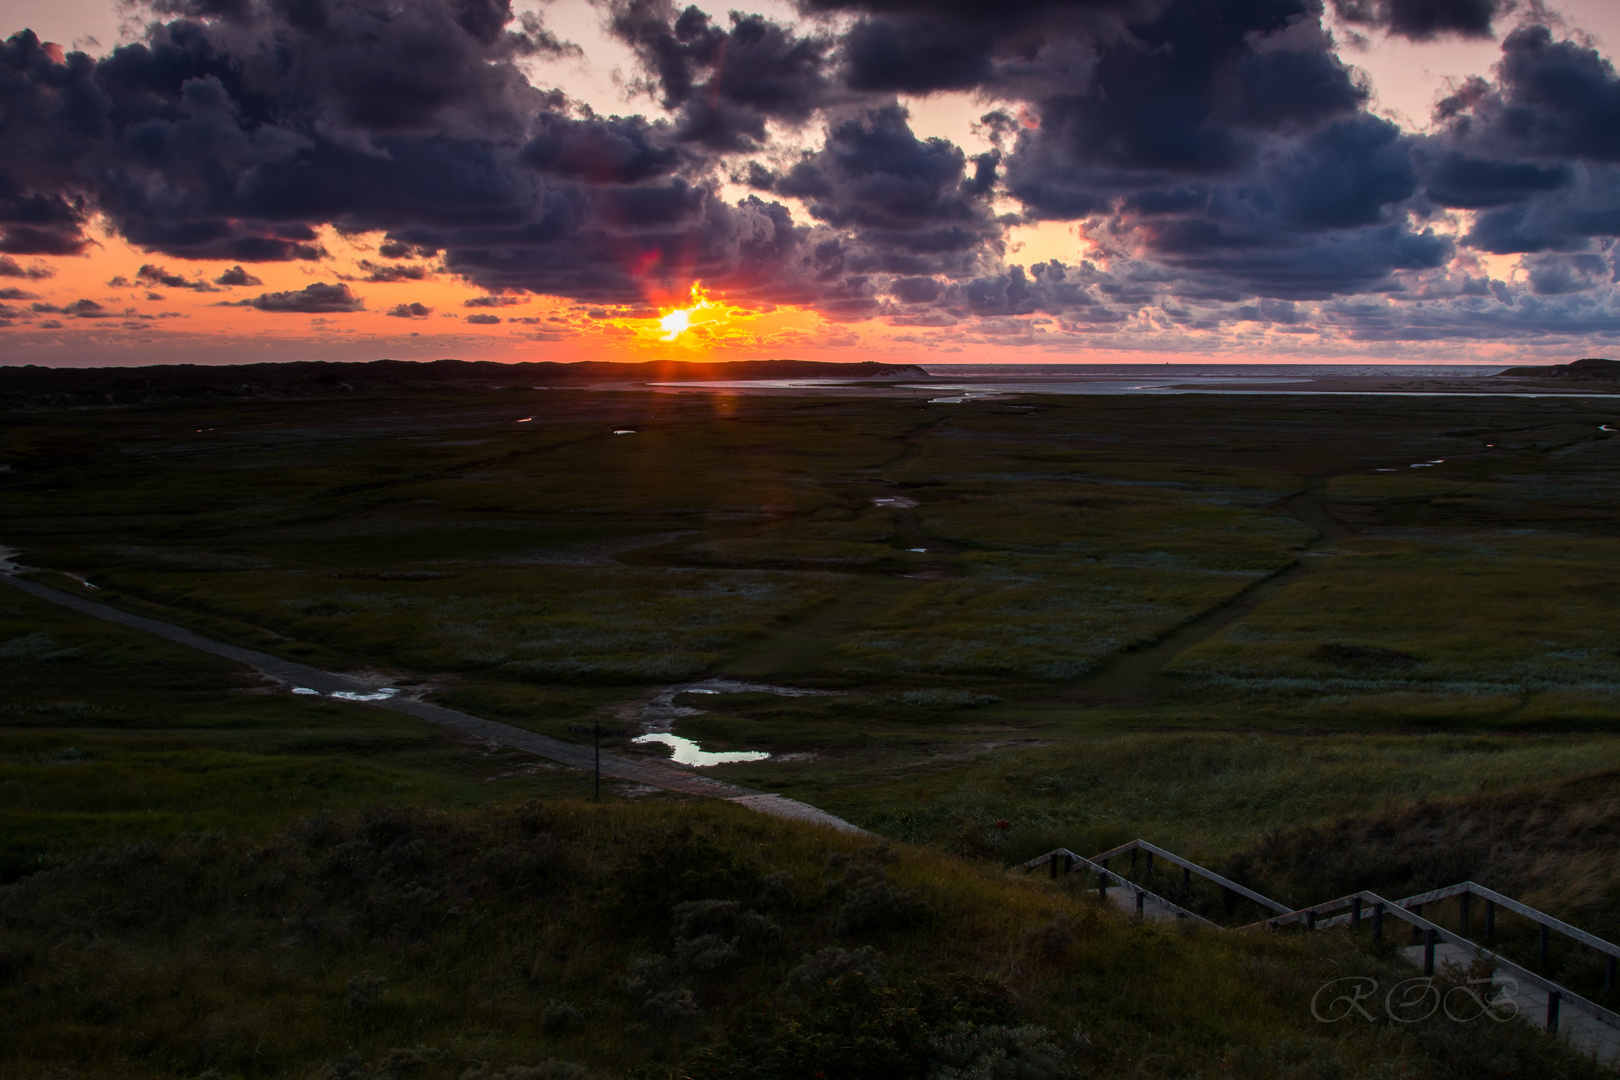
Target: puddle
659,713
687,752
352,695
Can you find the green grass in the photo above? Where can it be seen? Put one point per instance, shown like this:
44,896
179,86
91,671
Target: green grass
635,941
1449,660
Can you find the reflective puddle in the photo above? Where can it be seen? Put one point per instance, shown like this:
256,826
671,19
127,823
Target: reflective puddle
660,711
687,752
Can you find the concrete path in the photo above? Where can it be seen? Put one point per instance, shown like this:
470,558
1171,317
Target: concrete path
327,683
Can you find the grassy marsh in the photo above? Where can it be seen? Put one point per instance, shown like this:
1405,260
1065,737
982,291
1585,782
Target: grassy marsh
1031,615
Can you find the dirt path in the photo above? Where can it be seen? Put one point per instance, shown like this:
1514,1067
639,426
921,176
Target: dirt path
1132,676
327,683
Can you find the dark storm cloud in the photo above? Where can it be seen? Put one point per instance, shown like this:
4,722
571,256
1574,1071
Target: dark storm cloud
317,299
410,311
1217,152
723,82
1425,20
1537,154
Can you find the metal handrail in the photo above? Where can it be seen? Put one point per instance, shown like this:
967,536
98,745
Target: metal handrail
1313,919
1103,873
1210,875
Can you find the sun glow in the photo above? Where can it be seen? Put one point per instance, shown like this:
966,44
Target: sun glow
700,311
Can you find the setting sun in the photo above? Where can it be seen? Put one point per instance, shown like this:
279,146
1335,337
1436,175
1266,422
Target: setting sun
679,320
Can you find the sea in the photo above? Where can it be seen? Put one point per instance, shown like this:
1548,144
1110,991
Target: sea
967,382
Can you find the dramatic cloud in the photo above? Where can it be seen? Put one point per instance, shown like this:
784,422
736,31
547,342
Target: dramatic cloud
317,299
1217,157
1424,20
237,276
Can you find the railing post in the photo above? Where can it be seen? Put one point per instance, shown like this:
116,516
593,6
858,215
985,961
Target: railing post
1543,937
1553,1000
1462,911
1068,865
1053,863
1355,911
1490,919
1141,897
1429,937
1310,919
1378,922
1102,885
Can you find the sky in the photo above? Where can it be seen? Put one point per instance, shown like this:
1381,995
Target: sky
947,181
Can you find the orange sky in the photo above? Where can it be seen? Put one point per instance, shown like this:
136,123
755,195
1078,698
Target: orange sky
144,323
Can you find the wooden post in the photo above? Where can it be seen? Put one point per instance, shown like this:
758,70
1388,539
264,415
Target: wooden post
1141,898
1429,937
1378,922
1102,886
1554,998
1490,919
1053,863
1355,911
1310,919
1543,938
1068,864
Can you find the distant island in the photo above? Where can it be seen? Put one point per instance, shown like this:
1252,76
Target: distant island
33,386
1591,369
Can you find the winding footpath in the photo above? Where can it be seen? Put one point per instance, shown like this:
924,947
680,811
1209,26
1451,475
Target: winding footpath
305,678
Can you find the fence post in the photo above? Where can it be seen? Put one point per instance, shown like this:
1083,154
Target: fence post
1053,863
1553,1000
1310,919
1428,951
1102,886
1355,911
1378,922
1543,937
1490,919
1068,864
1140,898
